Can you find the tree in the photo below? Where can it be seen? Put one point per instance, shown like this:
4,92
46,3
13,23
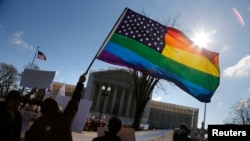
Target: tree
240,113
144,85
8,78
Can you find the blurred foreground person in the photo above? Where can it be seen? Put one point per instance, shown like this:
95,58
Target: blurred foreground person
55,125
10,118
114,126
181,133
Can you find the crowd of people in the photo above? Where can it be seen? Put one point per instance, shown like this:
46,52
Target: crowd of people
92,124
54,124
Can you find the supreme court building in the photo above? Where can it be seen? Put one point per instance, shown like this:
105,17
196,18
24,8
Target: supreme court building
120,101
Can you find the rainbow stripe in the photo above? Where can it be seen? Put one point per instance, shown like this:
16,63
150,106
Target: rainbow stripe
194,70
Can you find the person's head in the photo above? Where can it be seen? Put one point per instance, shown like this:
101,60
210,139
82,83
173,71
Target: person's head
49,106
14,100
114,125
183,129
34,91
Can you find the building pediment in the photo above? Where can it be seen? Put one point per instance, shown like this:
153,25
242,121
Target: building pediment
119,76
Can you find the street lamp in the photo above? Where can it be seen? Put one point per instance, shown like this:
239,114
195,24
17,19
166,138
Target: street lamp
105,93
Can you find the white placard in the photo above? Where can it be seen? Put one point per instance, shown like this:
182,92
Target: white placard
37,78
82,114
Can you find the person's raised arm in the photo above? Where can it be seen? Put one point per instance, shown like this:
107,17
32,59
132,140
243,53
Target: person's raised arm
82,78
72,107
79,87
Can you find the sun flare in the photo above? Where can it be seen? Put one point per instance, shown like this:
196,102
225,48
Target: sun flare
201,39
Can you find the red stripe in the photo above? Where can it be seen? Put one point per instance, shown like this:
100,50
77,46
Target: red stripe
177,39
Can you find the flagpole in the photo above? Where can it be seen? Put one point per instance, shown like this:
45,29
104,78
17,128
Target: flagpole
205,110
34,58
204,120
107,38
203,131
31,65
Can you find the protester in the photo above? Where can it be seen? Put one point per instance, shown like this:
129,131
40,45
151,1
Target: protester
10,118
53,124
30,96
181,133
114,126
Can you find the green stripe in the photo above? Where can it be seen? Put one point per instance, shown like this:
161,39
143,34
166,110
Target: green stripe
196,77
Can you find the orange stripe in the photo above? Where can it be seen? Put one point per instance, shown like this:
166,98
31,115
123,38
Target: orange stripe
177,39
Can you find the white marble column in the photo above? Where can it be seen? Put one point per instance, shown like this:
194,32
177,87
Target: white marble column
121,102
98,100
113,100
93,91
129,103
105,104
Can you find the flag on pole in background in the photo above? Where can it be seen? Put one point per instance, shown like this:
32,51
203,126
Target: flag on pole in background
41,55
143,44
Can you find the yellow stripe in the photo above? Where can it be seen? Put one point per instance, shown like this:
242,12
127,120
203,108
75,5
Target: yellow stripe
191,60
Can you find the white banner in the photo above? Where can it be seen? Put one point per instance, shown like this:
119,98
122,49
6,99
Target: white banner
37,78
82,114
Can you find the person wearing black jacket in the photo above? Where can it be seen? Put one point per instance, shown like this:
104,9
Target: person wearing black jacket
10,118
181,133
114,126
53,124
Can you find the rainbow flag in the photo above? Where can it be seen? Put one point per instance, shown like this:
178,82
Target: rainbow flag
145,45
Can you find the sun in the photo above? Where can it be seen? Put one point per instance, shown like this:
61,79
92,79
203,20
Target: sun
201,38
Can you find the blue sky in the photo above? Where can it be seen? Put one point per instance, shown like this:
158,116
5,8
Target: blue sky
71,32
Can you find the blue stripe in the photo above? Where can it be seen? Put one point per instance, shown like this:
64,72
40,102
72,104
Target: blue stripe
133,59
